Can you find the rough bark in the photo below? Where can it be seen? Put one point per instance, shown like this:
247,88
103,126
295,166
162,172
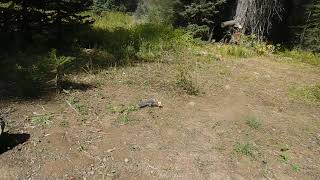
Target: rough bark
256,16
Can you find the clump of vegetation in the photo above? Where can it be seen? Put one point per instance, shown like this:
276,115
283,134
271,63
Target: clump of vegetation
185,82
42,120
246,149
296,168
234,51
123,112
253,122
77,106
259,47
284,158
298,55
309,94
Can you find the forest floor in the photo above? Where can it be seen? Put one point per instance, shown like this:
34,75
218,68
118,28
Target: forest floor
247,122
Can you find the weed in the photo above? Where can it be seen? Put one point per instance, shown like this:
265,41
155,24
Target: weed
284,158
42,120
253,123
123,112
77,105
184,81
124,118
245,149
296,168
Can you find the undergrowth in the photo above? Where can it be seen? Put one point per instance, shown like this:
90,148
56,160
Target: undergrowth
309,94
297,55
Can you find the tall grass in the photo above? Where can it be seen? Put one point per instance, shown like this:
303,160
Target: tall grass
120,35
297,55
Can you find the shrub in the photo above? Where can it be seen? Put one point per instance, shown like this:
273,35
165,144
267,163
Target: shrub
202,17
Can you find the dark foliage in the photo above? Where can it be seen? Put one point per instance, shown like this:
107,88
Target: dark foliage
115,5
24,21
202,17
311,30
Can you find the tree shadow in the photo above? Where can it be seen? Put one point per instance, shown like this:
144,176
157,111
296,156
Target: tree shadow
25,73
69,85
9,141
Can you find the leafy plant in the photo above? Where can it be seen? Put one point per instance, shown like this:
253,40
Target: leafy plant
296,168
253,122
77,105
284,158
185,83
42,120
245,149
58,66
123,112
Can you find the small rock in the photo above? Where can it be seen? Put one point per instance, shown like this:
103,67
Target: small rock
192,103
104,159
111,150
227,87
126,160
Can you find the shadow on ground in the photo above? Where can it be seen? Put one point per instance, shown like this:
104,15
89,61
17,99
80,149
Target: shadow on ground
9,141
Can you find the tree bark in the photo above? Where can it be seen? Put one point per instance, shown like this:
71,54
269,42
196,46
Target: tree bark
256,16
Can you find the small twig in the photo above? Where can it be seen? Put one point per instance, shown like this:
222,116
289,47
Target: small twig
72,107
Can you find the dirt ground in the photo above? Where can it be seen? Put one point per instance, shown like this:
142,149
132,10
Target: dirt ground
101,135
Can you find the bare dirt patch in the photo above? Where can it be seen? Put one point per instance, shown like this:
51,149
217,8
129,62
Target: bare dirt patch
209,136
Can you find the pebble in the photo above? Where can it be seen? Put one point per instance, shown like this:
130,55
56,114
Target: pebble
126,160
111,150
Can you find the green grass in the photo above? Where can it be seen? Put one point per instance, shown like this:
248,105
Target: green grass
310,94
284,158
79,107
123,112
303,56
42,120
127,40
245,149
296,168
253,122
234,51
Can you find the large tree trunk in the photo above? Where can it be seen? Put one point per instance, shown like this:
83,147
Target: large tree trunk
256,16
241,12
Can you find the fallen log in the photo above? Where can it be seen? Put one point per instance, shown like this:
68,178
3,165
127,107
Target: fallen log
228,23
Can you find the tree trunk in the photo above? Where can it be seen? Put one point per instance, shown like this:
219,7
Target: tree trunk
242,10
256,16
